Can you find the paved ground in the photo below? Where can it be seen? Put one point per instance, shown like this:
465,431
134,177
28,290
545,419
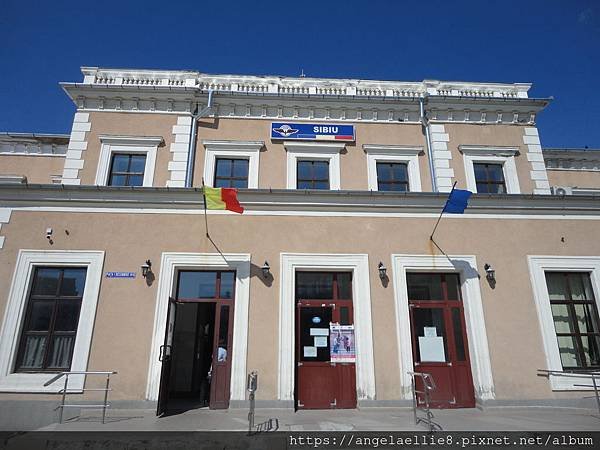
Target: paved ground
367,419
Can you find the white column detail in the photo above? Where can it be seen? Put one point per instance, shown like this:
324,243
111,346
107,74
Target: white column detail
444,174
77,145
180,148
538,172
4,218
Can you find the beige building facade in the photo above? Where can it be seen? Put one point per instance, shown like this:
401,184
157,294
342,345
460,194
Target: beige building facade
335,233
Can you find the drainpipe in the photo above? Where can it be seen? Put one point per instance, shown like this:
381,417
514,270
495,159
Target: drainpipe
189,173
425,125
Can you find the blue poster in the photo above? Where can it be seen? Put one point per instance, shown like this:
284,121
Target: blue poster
312,131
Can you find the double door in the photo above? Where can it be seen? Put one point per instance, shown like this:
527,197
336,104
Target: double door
325,370
439,339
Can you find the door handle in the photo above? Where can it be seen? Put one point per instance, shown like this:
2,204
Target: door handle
162,353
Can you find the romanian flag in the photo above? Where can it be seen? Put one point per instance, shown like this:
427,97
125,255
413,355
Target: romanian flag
222,198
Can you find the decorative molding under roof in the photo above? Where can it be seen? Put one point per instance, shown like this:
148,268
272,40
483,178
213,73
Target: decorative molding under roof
33,144
479,150
572,159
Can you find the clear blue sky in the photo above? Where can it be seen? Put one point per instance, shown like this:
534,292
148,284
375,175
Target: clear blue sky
555,44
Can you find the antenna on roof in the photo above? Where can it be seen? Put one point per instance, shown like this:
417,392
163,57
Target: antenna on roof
302,75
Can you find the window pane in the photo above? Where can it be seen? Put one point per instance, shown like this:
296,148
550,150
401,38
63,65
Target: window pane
424,286
197,284
220,183
67,315
117,180
46,281
120,163
321,170
399,172
138,163
568,355
557,286
304,170
345,315
452,283
304,185
223,167
311,285
62,350
587,286
576,285
562,320
227,280
136,180
239,184
73,282
495,172
33,355
223,334
240,168
386,187
586,319
41,313
500,189
458,334
591,349
430,348
483,188
344,285
323,185
383,171
480,172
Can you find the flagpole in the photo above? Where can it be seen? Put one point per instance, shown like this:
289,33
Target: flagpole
443,209
205,215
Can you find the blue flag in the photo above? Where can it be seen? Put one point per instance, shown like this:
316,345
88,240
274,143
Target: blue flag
457,201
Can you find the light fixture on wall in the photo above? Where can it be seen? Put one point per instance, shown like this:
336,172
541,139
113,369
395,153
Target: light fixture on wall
146,268
266,269
490,273
382,271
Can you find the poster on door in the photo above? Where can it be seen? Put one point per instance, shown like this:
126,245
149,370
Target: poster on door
341,342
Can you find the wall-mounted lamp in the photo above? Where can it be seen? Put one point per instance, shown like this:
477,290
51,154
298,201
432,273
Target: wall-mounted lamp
146,268
490,273
266,269
382,271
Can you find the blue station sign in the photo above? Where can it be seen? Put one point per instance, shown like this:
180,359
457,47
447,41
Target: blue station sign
312,131
120,274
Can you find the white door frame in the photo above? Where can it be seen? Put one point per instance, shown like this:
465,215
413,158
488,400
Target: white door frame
361,297
466,267
169,265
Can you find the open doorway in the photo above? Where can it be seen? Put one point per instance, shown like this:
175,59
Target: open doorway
196,355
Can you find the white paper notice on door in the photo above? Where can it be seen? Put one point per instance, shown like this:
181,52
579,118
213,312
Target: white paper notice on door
319,331
310,352
320,341
431,349
430,331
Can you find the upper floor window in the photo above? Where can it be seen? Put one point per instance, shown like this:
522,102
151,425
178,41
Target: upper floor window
393,168
392,176
489,178
576,320
51,319
127,160
491,170
231,173
232,163
312,175
127,170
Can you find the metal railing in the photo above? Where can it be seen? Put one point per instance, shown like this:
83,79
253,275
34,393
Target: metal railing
65,390
593,376
428,387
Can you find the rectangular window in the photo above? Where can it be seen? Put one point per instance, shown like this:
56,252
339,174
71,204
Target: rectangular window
127,169
489,178
312,175
392,176
51,319
195,284
231,173
575,319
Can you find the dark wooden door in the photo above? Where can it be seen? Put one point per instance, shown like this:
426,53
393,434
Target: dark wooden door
320,382
439,338
165,353
221,365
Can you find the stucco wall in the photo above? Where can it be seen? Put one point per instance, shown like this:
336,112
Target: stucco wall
125,315
574,178
37,169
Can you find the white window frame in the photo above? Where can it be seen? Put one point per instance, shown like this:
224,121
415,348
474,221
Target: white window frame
361,298
170,264
147,145
313,151
393,154
14,316
538,266
495,155
249,150
466,267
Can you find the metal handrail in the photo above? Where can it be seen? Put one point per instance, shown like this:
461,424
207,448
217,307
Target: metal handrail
593,375
428,386
65,390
